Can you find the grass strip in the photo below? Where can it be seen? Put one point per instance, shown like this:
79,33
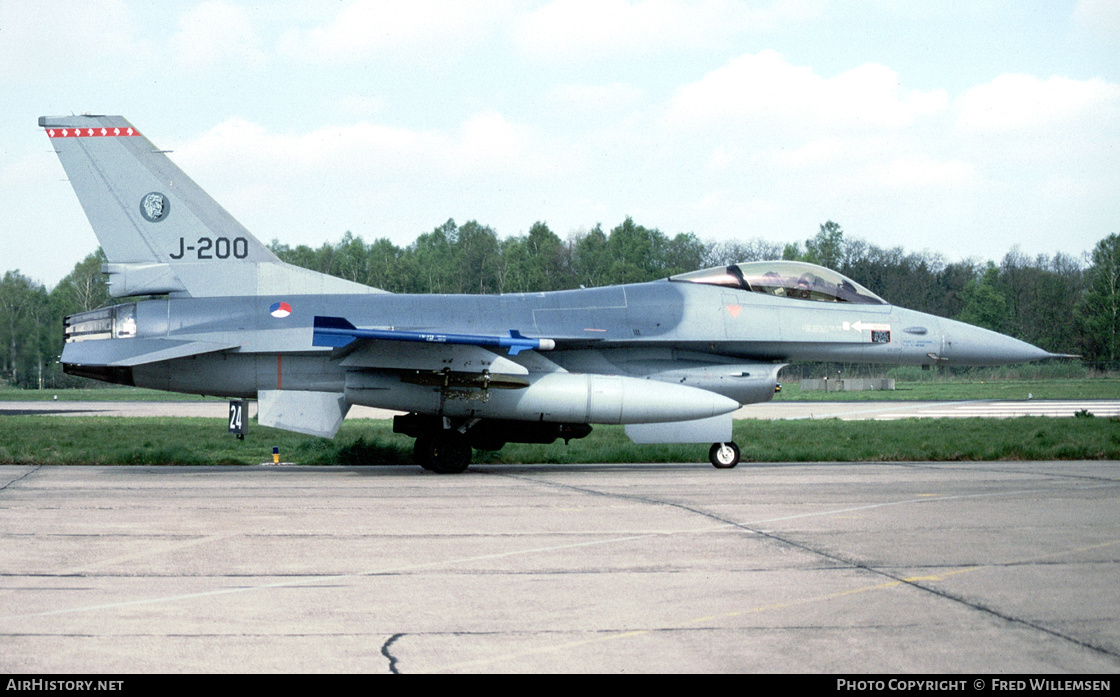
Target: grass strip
58,440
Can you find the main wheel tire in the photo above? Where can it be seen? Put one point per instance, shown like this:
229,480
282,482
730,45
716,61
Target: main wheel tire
449,453
422,452
724,455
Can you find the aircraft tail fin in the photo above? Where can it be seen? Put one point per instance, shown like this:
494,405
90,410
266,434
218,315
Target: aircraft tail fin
160,231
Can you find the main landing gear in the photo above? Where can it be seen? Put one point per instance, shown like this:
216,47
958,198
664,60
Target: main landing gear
724,455
443,445
444,452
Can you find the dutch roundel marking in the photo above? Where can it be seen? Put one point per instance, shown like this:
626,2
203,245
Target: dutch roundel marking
280,310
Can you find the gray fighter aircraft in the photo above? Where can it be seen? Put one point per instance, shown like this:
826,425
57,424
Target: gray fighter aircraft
669,359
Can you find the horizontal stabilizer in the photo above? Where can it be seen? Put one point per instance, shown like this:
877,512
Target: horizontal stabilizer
133,352
338,332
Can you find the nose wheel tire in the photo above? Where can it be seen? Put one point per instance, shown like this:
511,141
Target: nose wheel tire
724,455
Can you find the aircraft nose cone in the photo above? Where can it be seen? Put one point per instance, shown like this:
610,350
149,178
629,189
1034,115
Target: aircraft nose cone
964,344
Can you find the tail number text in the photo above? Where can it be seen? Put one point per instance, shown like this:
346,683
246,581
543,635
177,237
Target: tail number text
214,248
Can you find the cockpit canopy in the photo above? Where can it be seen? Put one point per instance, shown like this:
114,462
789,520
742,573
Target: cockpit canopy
786,279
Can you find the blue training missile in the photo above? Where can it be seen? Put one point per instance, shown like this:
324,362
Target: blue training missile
338,332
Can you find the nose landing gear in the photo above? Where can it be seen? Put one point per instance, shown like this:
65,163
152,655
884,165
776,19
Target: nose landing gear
724,455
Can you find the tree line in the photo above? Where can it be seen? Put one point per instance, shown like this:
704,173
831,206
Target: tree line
1061,303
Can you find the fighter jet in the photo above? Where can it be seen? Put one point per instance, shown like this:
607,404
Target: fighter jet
670,359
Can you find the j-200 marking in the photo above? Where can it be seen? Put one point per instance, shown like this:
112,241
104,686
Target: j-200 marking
215,248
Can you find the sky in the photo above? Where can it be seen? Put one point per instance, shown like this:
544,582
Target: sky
965,129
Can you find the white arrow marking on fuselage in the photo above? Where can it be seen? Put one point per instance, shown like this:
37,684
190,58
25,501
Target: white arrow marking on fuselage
859,326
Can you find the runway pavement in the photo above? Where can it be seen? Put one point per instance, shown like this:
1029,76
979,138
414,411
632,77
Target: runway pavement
981,568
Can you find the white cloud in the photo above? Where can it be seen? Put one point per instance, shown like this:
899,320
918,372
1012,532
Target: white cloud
419,27
361,106
348,176
863,164
819,153
591,29
581,27
918,173
863,148
1019,103
595,98
1048,151
243,149
1099,17
767,88
216,34
69,38
489,139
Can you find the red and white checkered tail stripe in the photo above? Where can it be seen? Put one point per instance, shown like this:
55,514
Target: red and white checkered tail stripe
96,132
